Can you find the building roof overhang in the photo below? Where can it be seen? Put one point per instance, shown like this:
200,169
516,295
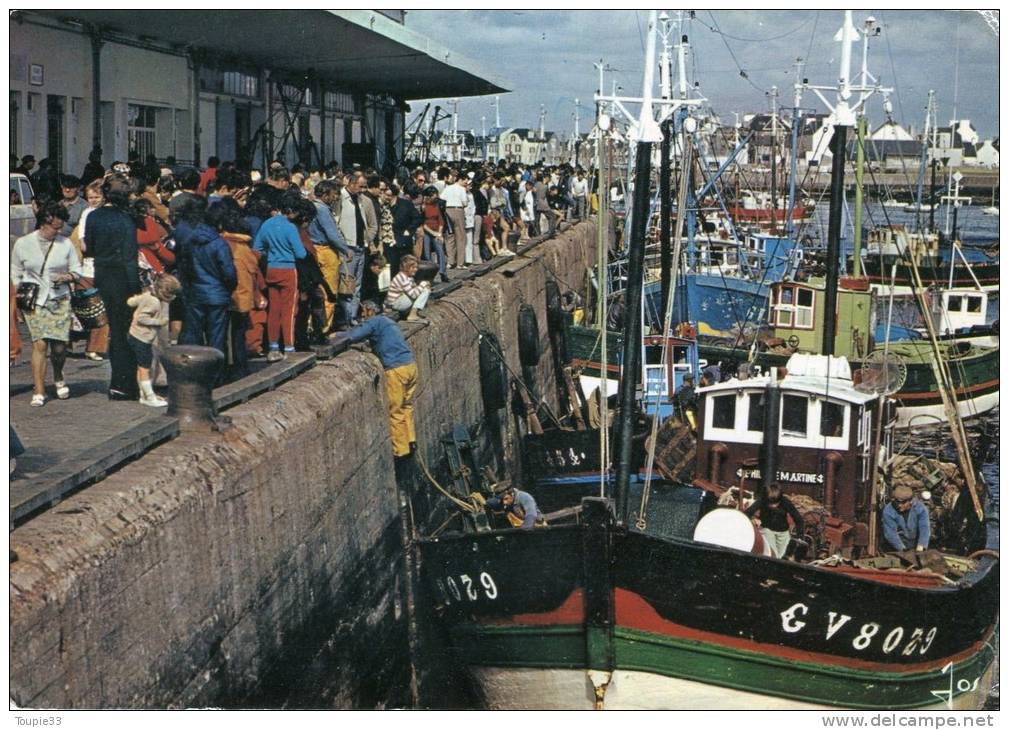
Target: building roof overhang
353,49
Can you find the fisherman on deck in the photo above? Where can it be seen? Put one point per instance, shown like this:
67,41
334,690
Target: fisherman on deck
519,506
387,342
905,521
685,402
774,509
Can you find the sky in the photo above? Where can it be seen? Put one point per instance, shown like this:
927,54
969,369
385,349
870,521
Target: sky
548,57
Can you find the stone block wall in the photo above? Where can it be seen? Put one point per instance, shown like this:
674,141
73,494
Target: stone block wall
262,567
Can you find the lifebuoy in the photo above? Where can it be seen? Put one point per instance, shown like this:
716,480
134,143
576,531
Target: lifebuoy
493,376
529,336
793,341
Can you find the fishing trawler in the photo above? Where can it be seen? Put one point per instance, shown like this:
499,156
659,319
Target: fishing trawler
677,605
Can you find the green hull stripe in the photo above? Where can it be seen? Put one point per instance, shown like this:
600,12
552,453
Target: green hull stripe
563,647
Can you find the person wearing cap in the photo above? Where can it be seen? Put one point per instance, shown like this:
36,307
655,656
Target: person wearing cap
770,513
685,402
905,521
27,165
518,506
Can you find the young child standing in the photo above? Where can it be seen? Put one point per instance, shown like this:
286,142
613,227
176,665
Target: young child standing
150,317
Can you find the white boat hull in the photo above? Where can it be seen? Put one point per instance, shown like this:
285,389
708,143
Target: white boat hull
573,689
925,416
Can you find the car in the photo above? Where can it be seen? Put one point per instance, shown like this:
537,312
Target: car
22,214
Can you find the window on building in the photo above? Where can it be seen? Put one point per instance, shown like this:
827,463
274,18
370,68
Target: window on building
724,411
794,414
755,414
141,130
831,419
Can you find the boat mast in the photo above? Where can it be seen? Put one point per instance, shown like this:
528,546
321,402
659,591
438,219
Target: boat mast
665,202
647,132
793,162
924,154
774,156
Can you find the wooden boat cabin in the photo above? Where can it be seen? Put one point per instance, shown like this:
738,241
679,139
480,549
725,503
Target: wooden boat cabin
820,445
796,315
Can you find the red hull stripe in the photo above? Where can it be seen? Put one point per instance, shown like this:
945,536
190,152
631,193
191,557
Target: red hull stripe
633,611
934,394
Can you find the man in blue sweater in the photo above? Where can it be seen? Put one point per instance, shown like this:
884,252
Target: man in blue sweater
387,342
905,521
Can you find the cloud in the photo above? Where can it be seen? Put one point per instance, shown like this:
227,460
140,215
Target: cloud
549,56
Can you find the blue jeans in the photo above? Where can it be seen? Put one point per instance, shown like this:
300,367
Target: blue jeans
439,248
354,267
206,324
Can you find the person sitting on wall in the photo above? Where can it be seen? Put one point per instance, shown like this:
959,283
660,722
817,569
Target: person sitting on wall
905,521
774,509
519,507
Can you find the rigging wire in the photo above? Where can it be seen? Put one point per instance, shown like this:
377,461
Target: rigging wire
796,29
735,60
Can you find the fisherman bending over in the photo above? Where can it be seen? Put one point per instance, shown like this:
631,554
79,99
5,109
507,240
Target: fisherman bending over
397,358
774,509
905,521
519,506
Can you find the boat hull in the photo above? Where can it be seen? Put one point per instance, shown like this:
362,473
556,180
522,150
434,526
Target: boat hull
509,688
684,623
719,305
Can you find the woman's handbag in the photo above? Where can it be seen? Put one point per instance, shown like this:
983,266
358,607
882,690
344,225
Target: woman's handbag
28,291
88,307
347,285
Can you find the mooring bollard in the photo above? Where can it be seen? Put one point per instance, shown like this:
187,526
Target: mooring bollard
192,371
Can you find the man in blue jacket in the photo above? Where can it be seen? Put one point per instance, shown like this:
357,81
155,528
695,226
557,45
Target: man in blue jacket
905,521
207,270
329,241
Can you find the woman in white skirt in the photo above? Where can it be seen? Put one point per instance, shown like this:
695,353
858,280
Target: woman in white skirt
49,260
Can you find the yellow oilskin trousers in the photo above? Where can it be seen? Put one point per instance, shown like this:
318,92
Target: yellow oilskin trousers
400,384
329,265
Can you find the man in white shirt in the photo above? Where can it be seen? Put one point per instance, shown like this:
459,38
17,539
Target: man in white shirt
580,192
456,198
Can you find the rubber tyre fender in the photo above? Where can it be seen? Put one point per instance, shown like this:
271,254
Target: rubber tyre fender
529,336
493,375
557,321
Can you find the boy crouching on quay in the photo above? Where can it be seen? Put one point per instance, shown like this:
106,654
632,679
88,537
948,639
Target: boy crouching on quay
405,295
150,317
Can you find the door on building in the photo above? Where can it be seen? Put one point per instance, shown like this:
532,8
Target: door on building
141,130
13,129
109,151
304,141
243,133
55,114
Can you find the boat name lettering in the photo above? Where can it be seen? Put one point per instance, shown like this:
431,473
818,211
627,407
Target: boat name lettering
558,458
450,592
796,618
802,477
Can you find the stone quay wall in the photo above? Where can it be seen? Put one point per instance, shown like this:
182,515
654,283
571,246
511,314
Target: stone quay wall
262,566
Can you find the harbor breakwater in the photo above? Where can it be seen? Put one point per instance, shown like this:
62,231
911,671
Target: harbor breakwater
263,566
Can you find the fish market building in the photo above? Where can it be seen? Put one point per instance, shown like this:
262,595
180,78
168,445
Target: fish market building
308,86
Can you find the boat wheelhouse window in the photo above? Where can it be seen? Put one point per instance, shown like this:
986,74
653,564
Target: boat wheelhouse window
804,308
793,307
653,354
973,304
955,304
755,415
794,414
724,414
831,419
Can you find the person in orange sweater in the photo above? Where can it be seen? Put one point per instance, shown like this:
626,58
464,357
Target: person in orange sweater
226,216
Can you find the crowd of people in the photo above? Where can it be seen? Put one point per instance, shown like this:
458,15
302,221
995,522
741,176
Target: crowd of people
256,263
